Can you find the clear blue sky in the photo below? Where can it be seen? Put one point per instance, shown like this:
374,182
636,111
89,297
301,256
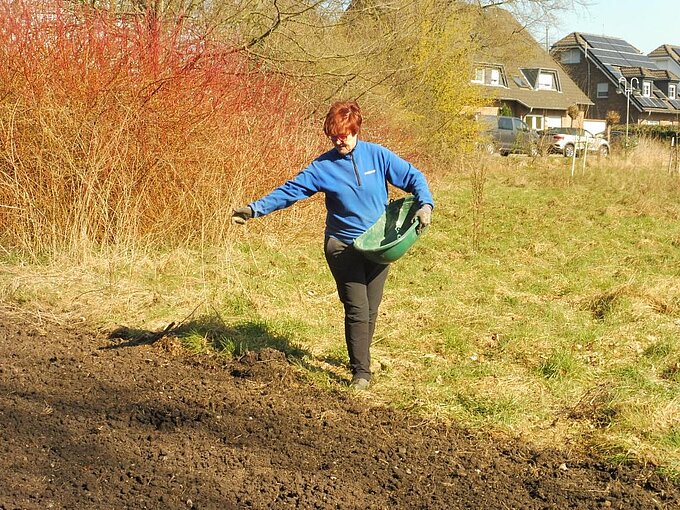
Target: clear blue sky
646,24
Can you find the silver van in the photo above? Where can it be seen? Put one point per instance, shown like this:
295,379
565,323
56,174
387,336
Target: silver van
506,135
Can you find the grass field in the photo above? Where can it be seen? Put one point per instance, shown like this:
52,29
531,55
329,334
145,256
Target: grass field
541,304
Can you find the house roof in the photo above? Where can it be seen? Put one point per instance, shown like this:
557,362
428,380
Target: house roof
667,50
617,58
655,74
610,52
522,60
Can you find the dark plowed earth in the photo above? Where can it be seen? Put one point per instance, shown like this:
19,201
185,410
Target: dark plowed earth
86,422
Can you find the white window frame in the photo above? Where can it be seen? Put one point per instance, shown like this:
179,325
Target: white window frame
495,79
547,80
646,88
602,90
491,76
672,91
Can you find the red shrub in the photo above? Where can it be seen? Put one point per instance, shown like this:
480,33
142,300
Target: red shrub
127,127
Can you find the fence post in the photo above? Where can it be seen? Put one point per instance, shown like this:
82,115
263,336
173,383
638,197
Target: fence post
585,156
672,153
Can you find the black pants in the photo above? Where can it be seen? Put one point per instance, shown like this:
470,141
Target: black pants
360,285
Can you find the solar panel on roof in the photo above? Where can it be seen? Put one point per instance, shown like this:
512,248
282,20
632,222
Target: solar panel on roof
609,43
624,47
601,45
594,39
641,61
614,70
652,102
620,61
617,51
610,58
675,103
646,102
638,57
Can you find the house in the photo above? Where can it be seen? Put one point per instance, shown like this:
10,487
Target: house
667,57
519,75
619,79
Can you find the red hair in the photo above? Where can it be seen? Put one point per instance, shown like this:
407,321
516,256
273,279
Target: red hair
343,117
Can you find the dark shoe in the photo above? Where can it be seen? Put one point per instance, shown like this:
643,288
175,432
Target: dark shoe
359,383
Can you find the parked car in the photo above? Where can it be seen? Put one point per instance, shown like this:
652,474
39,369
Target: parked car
568,140
504,135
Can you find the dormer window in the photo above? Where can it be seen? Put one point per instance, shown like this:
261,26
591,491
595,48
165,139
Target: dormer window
490,76
571,56
672,91
541,79
646,89
547,80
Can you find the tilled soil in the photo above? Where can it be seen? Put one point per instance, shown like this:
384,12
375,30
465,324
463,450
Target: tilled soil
89,422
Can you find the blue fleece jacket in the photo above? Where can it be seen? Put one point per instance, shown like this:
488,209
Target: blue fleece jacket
355,186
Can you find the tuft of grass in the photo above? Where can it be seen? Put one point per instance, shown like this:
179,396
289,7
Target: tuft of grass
671,371
672,437
560,364
497,410
603,304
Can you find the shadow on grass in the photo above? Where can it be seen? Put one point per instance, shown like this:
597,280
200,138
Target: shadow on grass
210,333
336,361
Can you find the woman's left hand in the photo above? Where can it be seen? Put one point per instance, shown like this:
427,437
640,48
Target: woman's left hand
424,217
241,215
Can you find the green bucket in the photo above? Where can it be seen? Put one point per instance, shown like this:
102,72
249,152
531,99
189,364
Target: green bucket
392,235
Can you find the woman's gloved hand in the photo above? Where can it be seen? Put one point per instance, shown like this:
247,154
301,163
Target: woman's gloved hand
424,217
241,215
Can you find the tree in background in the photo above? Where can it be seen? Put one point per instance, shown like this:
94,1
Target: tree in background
504,109
441,96
410,59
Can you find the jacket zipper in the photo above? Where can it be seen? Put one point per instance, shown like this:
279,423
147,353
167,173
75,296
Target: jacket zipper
356,170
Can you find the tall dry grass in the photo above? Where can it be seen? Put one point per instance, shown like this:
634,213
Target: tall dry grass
647,153
121,130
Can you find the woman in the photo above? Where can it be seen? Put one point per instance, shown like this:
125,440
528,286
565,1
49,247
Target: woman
353,176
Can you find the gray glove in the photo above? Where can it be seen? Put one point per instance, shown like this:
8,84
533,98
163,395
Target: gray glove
241,215
424,217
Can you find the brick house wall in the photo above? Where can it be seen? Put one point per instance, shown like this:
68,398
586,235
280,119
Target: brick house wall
587,75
